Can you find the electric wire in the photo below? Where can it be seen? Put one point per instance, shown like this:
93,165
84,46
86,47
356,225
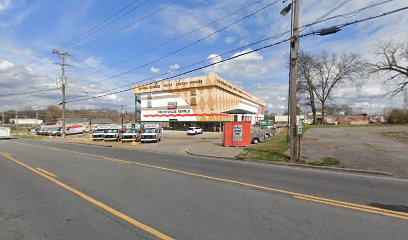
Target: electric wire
252,51
237,49
171,41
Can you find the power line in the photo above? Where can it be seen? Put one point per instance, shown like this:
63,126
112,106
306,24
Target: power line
347,15
78,37
127,26
354,12
100,26
188,45
30,92
252,51
237,49
303,27
171,41
184,73
340,5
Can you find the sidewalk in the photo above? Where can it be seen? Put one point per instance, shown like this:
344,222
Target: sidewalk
214,149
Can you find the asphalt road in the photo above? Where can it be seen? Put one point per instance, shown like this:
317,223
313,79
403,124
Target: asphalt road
72,191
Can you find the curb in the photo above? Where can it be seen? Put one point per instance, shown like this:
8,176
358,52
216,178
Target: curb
349,170
203,155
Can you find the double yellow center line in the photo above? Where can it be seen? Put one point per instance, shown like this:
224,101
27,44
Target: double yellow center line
51,177
348,205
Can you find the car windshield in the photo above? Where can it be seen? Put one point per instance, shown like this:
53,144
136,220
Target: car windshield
100,130
130,131
113,130
149,130
190,129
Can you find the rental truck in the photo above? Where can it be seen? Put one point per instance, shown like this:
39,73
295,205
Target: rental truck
151,132
5,132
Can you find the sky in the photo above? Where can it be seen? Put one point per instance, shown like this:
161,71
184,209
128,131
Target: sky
129,42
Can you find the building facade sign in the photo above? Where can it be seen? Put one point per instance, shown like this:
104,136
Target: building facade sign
171,105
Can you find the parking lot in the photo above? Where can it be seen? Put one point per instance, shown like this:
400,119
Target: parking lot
370,148
174,142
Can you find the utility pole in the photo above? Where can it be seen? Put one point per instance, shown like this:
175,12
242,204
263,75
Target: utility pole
122,114
36,114
16,121
138,109
294,53
62,55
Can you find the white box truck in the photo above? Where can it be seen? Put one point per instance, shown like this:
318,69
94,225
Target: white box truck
5,132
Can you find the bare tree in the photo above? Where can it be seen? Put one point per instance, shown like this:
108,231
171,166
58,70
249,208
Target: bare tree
306,75
53,114
320,74
331,72
394,63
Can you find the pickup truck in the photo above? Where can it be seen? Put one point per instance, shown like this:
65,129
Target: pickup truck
97,134
111,135
151,133
129,135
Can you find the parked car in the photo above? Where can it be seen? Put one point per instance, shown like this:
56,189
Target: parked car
257,137
194,131
51,131
111,135
42,131
199,130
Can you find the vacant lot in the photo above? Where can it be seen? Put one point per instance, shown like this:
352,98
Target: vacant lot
372,148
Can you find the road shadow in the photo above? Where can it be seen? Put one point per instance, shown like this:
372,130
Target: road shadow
399,208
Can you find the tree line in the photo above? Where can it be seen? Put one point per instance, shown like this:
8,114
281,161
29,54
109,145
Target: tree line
52,114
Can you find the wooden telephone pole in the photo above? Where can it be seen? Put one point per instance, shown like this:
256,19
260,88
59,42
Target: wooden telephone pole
62,64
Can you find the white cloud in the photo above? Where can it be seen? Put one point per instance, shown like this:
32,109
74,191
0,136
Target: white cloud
94,62
274,94
229,40
17,15
4,5
250,65
184,20
154,69
31,78
174,68
4,65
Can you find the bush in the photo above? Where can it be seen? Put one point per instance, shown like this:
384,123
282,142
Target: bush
398,116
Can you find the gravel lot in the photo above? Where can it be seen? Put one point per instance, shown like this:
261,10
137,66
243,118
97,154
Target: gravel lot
370,148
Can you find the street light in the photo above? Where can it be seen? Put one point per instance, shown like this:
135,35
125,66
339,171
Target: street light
286,9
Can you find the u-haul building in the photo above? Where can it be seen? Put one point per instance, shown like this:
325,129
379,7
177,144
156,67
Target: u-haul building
196,101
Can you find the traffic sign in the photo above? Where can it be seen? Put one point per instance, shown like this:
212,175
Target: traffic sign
300,127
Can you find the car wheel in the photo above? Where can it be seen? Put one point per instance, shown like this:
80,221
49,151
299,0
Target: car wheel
255,141
267,136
